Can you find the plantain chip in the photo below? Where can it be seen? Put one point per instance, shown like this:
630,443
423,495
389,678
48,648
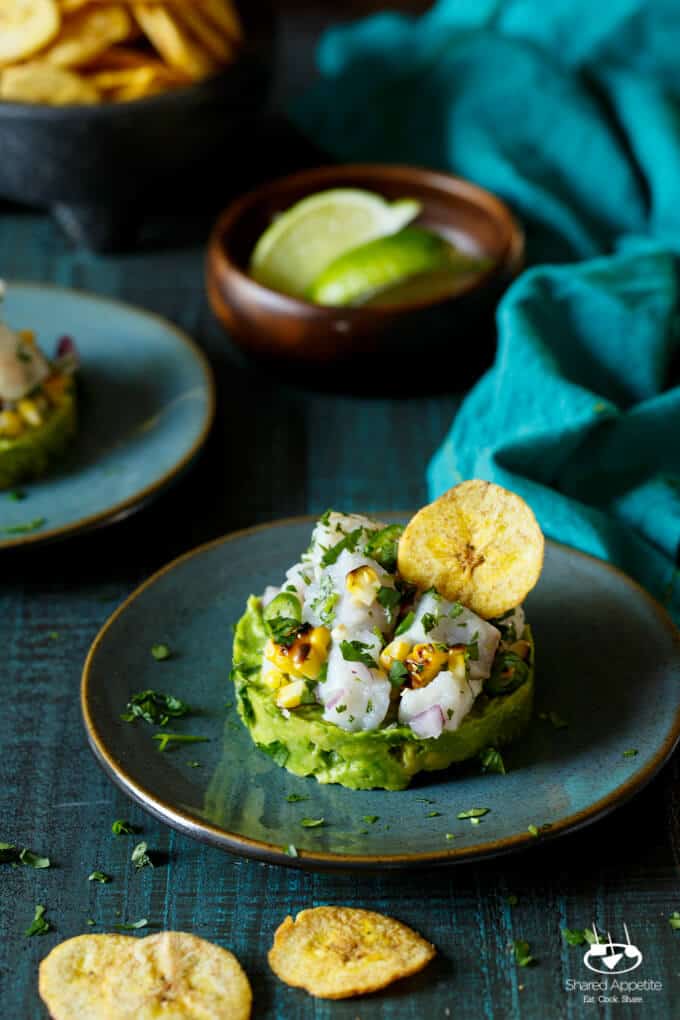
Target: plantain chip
338,952
87,34
39,82
216,41
71,976
171,974
222,12
25,27
173,41
478,544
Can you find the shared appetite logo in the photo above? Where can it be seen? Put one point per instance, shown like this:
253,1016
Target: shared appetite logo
612,959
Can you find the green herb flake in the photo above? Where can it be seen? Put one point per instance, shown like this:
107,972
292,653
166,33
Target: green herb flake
398,674
371,819
295,798
456,609
523,957
53,635
142,923
491,760
160,652
193,764
449,835
166,739
31,860
573,936
382,546
533,829
155,708
90,922
429,622
630,753
121,827
349,543
99,876
389,599
512,899
357,651
475,812
140,857
433,814
26,528
16,495
473,647
312,823
291,850
674,920
38,926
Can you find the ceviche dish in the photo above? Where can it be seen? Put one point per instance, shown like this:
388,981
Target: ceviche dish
386,651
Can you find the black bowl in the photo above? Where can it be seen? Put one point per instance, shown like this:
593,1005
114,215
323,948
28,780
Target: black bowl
102,169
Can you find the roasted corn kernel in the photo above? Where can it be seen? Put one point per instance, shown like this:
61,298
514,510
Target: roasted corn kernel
457,661
424,662
11,424
29,409
272,677
305,656
291,695
396,651
363,585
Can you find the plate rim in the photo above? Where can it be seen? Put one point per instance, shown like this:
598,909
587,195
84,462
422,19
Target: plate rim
245,846
133,503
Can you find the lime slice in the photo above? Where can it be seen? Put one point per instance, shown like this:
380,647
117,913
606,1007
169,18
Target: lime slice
365,271
301,242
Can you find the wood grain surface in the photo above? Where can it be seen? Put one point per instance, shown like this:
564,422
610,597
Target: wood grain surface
277,449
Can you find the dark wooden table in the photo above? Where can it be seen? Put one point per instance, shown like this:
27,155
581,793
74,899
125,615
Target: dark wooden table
277,449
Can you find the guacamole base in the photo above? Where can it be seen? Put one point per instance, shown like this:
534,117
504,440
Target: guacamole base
386,758
31,454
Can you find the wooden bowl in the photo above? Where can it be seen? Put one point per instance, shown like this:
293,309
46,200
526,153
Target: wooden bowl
267,323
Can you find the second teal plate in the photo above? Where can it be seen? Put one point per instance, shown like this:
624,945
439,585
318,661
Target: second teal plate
146,404
608,664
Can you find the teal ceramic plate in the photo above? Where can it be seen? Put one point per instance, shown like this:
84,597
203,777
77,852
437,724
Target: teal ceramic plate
146,403
608,664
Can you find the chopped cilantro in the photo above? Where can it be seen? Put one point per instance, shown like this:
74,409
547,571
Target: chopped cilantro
674,920
283,618
140,857
371,819
99,876
398,674
475,812
160,652
312,823
630,753
90,922
17,495
523,957
291,850
142,923
573,936
295,798
429,622
357,651
533,829
449,835
11,854
326,601
491,760
53,635
165,739
433,814
38,926
122,828
389,599
405,623
194,764
154,707
473,647
456,609
348,542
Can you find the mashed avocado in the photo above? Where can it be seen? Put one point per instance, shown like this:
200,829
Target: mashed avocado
387,757
30,454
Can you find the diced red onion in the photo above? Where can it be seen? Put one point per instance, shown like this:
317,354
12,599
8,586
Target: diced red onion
67,356
429,723
336,699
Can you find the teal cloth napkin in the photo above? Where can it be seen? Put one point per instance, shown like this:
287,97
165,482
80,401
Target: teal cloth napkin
571,111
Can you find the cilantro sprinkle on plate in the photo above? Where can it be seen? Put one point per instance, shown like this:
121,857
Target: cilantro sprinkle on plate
99,876
312,823
140,857
674,920
523,957
121,827
38,926
142,923
475,812
160,652
630,753
295,798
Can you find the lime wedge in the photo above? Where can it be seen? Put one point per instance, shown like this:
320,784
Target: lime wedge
301,242
364,272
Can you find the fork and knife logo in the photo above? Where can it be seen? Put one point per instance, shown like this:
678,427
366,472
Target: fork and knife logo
607,957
